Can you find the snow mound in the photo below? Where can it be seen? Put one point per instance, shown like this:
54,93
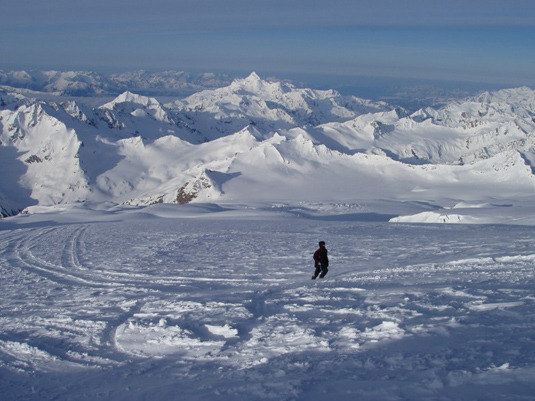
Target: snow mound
431,217
161,339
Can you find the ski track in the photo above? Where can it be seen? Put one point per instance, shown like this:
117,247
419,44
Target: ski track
226,310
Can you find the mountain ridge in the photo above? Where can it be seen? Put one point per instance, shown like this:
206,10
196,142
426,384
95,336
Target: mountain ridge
259,140
90,83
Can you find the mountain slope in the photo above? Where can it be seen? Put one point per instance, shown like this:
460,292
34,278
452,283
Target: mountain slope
458,133
49,149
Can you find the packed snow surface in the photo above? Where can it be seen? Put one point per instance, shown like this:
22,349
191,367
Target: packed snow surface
205,302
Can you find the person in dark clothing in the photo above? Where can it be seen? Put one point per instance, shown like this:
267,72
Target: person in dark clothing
321,261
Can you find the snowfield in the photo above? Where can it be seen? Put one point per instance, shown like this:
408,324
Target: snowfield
207,302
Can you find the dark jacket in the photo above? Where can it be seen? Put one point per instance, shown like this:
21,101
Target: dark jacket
320,256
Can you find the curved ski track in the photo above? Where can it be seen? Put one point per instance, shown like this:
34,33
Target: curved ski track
69,267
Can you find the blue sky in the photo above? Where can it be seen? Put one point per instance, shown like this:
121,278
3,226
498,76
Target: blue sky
472,41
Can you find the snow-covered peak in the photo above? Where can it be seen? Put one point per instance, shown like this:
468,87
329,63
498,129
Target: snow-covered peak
49,151
76,83
270,106
512,103
129,97
252,79
137,106
255,85
88,83
503,105
522,96
15,78
12,100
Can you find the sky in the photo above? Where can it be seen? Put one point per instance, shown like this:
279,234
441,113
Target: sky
470,41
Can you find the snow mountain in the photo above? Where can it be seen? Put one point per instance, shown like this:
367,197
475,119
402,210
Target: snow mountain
460,132
137,106
75,83
268,105
88,83
259,140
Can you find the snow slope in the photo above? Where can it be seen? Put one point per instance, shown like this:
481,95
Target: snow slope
203,302
50,151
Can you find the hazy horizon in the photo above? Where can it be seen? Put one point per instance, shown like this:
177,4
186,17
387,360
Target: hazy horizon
337,44
409,93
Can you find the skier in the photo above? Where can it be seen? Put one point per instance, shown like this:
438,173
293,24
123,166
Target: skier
321,261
